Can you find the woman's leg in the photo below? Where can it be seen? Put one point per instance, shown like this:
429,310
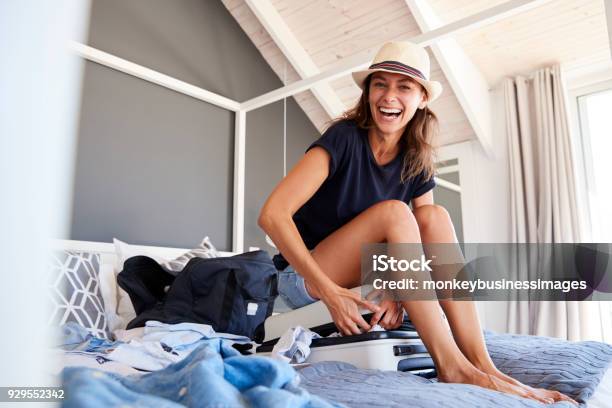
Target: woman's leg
435,226
339,256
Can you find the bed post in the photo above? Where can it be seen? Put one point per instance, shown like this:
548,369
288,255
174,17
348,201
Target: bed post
239,180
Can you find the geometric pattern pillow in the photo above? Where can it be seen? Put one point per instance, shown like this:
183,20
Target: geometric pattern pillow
74,291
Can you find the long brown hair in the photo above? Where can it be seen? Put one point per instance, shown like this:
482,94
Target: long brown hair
416,142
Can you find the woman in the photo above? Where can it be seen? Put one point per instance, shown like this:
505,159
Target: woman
352,187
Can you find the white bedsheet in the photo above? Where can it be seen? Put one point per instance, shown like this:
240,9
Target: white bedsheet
602,398
62,360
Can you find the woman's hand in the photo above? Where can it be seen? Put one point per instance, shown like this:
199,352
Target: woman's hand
390,316
343,306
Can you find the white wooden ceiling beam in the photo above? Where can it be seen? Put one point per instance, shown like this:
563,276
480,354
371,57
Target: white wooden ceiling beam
295,53
125,66
466,80
362,60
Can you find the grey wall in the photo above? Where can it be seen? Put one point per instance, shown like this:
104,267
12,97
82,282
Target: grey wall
156,167
264,164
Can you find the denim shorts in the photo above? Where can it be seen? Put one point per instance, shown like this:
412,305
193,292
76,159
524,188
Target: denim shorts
292,288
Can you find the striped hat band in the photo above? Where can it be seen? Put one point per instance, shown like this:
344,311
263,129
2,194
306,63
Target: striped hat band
398,67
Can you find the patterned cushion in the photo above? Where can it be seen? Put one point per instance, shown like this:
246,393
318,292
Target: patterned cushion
74,291
206,249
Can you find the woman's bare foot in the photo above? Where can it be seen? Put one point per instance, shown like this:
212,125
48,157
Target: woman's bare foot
477,377
549,395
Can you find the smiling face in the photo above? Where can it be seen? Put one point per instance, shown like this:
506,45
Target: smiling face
393,100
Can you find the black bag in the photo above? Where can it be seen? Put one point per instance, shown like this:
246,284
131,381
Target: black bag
233,294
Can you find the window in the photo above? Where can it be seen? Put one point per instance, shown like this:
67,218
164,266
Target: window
448,192
595,124
594,146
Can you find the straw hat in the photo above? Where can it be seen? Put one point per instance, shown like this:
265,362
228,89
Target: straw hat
406,58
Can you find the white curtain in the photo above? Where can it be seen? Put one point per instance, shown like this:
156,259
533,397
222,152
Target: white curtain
544,204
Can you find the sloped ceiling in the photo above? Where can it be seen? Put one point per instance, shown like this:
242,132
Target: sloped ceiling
572,32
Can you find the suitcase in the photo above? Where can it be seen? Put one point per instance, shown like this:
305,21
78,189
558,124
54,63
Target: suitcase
394,350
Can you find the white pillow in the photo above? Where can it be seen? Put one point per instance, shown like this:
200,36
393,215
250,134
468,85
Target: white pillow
125,251
125,309
108,288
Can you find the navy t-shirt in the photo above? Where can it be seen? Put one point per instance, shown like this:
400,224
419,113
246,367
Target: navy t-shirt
355,183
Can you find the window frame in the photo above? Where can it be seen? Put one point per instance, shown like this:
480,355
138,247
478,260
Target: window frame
582,146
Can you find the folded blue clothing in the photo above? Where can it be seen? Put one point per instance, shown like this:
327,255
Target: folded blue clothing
75,338
213,375
72,334
160,344
574,369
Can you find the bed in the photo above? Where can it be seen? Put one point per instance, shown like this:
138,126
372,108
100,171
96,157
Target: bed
211,371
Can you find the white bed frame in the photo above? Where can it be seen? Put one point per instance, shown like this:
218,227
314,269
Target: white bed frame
108,256
343,67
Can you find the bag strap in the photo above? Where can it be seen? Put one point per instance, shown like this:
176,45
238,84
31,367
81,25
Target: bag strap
228,301
273,294
260,331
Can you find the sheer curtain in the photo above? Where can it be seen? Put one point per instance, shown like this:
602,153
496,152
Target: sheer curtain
544,204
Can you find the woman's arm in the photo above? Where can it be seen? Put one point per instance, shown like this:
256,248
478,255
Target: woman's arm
276,217
425,199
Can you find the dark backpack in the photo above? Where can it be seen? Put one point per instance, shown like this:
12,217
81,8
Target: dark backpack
232,294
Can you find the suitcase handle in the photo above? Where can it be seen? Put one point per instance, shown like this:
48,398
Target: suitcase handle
408,349
415,363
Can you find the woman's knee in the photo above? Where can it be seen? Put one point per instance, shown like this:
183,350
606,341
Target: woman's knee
431,214
395,213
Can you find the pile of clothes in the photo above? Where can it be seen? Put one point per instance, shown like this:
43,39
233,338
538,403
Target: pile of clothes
184,364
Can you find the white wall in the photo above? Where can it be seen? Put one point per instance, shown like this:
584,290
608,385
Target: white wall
485,196
494,200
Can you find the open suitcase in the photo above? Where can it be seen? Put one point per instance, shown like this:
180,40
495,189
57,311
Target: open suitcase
400,349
